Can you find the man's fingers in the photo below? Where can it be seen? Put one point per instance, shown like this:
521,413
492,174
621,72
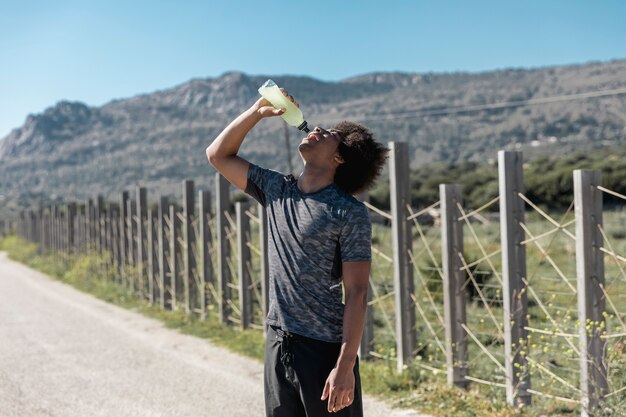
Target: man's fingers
339,400
325,391
343,400
271,112
289,96
278,112
332,402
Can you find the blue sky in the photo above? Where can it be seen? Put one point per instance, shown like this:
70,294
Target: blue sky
96,51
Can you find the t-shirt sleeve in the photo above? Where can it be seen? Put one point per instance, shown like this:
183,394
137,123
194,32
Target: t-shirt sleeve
262,183
356,236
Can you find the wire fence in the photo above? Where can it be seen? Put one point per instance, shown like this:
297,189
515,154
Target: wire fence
552,347
506,296
613,246
480,265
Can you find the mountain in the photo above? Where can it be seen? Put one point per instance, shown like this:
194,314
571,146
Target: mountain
72,151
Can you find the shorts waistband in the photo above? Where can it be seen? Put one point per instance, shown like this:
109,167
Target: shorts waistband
285,334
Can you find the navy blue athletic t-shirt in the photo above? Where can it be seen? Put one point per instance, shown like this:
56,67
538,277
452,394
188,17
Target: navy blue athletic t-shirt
310,235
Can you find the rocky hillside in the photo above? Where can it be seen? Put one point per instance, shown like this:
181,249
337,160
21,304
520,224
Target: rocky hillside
72,151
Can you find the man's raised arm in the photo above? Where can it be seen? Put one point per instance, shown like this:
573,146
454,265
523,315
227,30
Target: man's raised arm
222,153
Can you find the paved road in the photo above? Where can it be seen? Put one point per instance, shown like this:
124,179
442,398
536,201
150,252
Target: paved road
65,353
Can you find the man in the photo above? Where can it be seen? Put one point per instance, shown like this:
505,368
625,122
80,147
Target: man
319,239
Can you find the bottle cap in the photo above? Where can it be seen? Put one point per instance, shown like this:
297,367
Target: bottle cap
268,83
304,127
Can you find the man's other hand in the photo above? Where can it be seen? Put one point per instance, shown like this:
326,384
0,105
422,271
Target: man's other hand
339,389
265,109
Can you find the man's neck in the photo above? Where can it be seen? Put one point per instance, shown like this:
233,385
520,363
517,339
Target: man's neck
314,178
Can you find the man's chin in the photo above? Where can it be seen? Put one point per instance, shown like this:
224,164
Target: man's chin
304,147
306,151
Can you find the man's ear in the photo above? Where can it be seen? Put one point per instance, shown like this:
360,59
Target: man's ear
338,158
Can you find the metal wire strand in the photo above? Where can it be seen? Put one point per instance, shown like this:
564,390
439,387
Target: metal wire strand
482,248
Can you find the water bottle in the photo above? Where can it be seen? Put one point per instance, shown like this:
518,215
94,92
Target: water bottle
293,115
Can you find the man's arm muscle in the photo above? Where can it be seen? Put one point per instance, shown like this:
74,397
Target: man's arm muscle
339,387
222,153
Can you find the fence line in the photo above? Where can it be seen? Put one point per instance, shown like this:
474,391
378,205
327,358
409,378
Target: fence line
189,257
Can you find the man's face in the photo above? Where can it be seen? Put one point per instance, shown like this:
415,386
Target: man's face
321,145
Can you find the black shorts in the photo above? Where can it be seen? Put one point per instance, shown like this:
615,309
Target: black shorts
296,368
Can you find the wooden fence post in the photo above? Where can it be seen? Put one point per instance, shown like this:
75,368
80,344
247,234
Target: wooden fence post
20,224
131,233
37,227
60,234
24,222
40,232
111,242
63,228
45,230
78,239
514,292
152,264
30,230
93,224
24,219
222,204
48,229
18,228
404,286
141,214
63,232
123,235
59,231
42,229
174,264
31,227
98,222
189,259
27,225
88,225
77,228
164,265
591,300
116,241
56,220
206,268
243,266
71,214
53,229
108,247
453,283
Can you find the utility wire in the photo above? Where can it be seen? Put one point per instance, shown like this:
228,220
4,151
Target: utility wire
480,107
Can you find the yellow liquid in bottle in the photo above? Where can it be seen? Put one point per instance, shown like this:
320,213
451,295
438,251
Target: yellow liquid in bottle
293,115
